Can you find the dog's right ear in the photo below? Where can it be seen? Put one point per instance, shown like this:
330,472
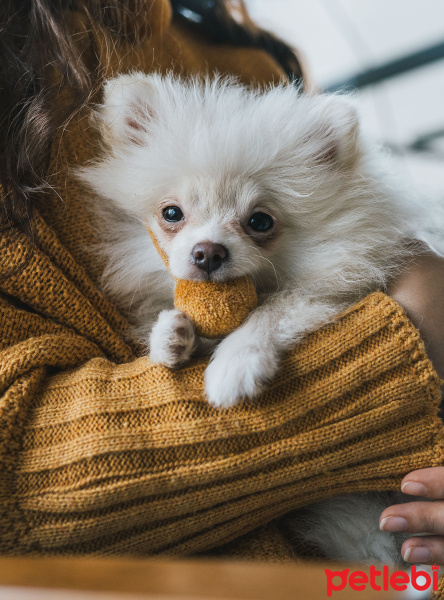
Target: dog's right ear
335,136
128,110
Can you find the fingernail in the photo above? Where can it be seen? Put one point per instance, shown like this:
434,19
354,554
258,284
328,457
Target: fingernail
414,488
393,524
418,554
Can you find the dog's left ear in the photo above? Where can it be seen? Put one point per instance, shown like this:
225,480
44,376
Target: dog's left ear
336,136
128,109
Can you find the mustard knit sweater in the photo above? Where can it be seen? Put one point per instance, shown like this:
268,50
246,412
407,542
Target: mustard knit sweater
103,453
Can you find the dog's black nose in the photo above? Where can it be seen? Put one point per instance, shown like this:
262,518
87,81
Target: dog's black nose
208,256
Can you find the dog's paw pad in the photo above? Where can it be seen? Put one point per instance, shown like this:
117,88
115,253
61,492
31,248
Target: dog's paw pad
172,339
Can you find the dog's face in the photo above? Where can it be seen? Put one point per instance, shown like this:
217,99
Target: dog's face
219,228
231,182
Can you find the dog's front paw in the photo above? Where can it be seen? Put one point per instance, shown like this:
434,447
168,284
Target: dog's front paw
172,339
239,369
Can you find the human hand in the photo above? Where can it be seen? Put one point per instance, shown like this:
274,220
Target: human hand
419,289
420,517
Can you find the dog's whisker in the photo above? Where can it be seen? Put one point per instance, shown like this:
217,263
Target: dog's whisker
264,258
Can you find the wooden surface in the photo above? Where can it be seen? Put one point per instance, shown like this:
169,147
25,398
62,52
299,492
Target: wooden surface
112,579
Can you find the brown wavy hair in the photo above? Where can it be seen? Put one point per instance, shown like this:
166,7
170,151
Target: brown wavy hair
36,42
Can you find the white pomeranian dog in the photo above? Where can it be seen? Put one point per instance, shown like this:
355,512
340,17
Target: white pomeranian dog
273,184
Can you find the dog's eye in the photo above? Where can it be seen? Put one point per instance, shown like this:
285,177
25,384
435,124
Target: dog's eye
173,214
260,222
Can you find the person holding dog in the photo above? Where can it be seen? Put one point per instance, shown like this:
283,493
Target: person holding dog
102,454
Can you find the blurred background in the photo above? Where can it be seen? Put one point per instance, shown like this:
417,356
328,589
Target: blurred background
371,46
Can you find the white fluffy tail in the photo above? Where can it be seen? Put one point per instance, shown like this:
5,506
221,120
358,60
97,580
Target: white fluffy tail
346,528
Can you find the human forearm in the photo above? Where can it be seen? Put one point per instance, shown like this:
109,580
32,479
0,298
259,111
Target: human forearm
130,458
419,289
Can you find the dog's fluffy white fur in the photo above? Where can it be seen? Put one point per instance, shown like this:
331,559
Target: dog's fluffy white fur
221,153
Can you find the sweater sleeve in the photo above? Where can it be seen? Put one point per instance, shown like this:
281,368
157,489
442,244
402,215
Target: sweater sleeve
105,458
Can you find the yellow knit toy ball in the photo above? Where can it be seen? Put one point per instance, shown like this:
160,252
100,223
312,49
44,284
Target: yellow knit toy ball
216,309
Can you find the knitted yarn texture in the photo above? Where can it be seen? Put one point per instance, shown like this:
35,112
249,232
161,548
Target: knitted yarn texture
103,453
